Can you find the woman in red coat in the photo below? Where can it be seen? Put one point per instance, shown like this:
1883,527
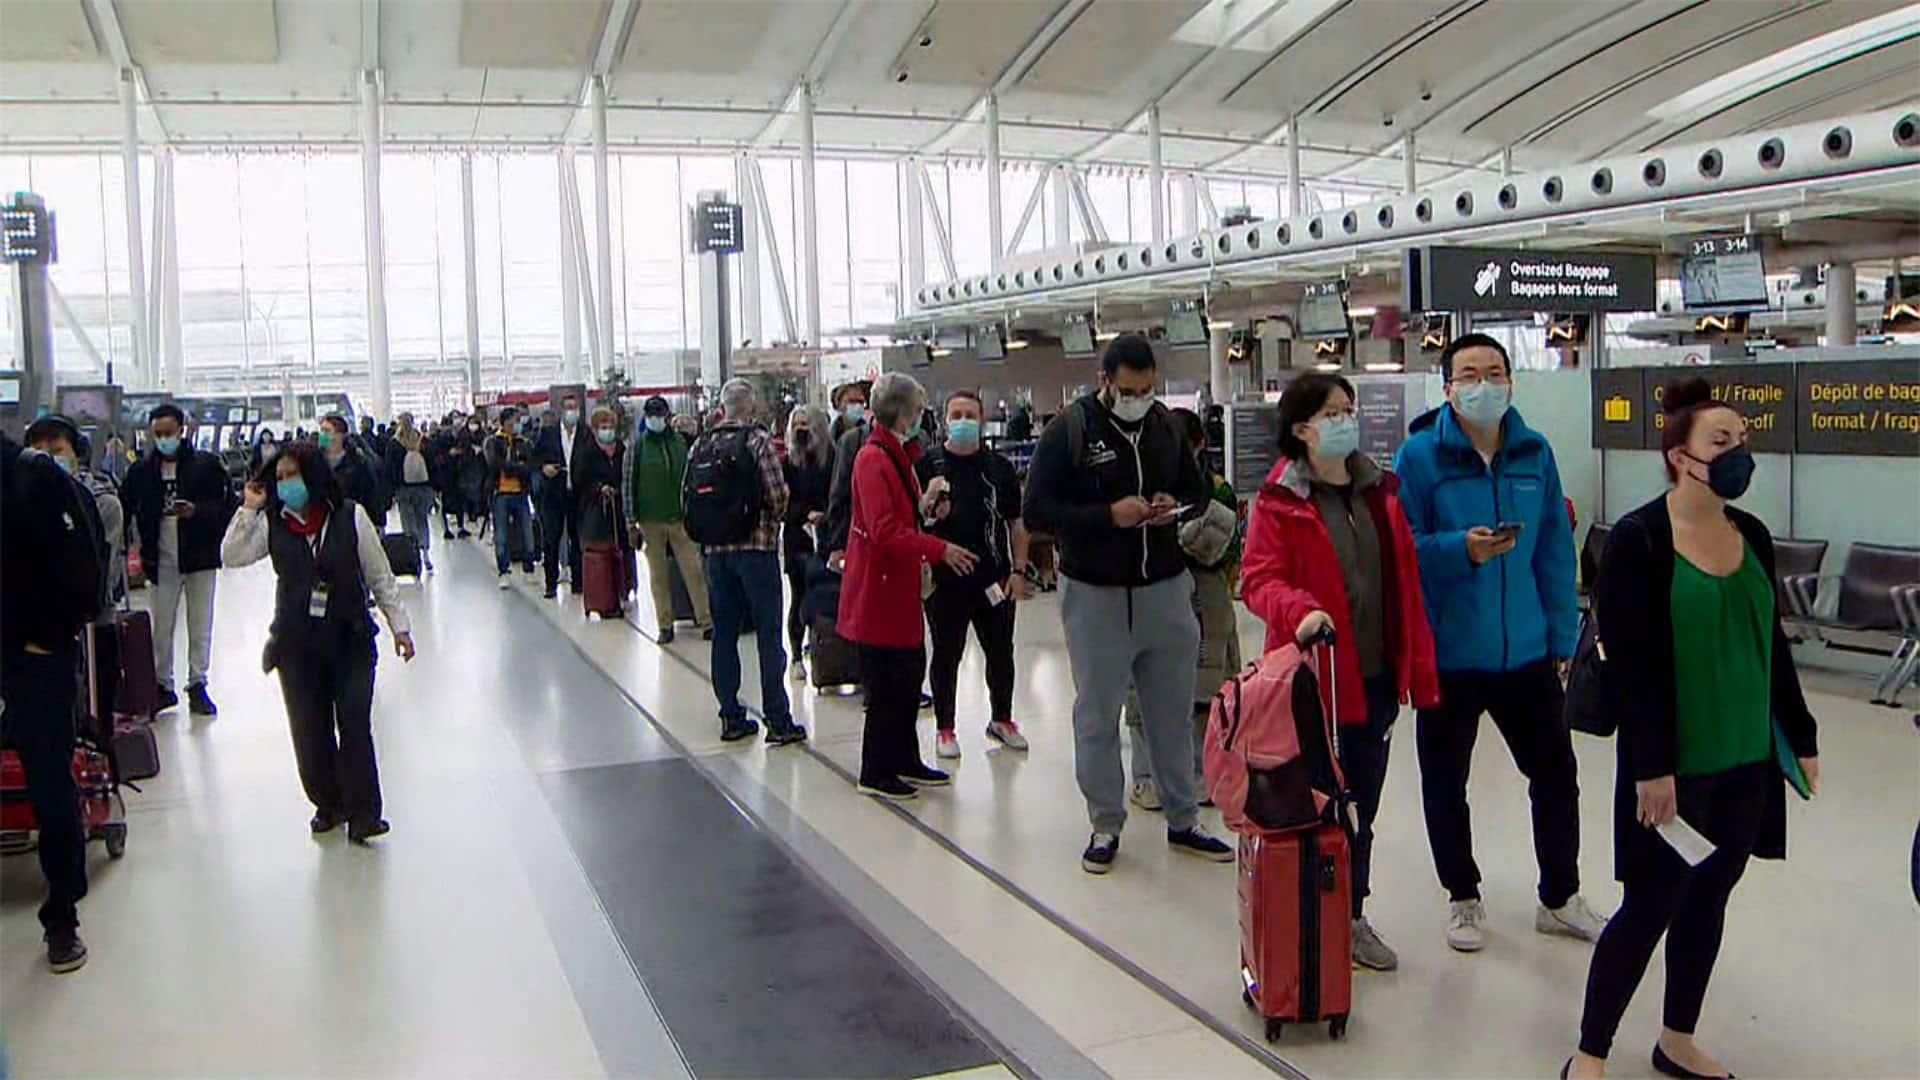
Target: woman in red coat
1328,545
880,597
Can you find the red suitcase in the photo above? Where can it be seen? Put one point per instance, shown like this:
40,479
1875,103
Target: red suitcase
98,801
604,570
1296,930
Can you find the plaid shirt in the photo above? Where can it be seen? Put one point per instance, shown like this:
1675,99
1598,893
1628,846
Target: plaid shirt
773,496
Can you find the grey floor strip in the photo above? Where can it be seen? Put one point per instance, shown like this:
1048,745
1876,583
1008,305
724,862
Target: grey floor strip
1026,1044
755,969
1253,1048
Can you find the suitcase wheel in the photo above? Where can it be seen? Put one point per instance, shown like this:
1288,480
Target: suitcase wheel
1275,1027
1246,997
1337,1027
116,839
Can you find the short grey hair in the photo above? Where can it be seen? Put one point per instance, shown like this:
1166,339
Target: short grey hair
895,396
737,399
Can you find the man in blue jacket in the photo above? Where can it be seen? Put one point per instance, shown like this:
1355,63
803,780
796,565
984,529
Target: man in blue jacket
1482,493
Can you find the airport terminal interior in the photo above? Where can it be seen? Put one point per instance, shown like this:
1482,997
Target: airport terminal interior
513,276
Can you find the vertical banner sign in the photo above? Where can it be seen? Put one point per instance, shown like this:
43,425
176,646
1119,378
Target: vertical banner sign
1382,409
1620,408
1253,443
1860,407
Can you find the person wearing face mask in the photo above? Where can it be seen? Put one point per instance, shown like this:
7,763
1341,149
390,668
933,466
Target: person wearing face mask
554,450
329,568
1713,726
470,470
656,465
509,478
410,478
180,498
1328,545
850,430
355,472
1112,479
973,499
1482,493
809,471
265,446
600,515
849,409
50,587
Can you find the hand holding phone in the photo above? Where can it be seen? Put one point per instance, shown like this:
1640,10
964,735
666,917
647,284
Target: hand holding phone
1509,529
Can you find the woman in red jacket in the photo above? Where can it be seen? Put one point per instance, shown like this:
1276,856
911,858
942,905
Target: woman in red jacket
1328,544
880,597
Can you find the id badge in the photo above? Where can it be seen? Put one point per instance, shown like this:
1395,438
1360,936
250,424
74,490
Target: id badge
317,603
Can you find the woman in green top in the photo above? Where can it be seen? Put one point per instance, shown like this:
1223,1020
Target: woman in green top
1711,718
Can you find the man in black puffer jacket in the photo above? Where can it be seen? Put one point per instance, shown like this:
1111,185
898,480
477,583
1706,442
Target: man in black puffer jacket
1112,478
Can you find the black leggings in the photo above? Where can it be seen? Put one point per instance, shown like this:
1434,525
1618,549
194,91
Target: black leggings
797,595
1687,904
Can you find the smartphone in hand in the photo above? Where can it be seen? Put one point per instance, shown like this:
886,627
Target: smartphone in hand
1509,529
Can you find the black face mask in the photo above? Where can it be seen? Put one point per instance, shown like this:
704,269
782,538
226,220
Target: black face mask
1729,474
802,437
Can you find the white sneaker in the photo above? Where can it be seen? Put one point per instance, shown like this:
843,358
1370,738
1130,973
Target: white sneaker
797,671
1466,926
506,582
1575,920
1007,734
947,746
1146,795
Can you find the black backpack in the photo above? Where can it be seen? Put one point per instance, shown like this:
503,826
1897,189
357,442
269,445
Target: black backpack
722,488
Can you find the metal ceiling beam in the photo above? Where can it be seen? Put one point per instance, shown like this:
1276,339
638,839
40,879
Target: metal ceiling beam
1016,69
611,43
824,54
106,22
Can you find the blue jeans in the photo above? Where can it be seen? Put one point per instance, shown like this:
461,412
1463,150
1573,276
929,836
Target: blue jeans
512,529
739,583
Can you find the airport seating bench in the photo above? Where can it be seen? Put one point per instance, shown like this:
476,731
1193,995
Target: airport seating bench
1868,598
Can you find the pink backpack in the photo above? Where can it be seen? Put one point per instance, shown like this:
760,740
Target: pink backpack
1271,758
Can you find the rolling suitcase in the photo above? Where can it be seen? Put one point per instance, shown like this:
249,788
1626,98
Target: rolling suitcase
1296,930
403,554
833,660
604,570
139,691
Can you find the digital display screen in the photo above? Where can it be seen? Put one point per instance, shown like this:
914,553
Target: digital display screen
1187,328
1076,339
1724,272
989,345
1323,311
9,390
86,405
717,227
26,229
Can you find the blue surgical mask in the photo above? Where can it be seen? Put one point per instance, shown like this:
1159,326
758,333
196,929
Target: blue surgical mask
656,424
1339,436
168,445
1482,404
855,412
65,463
293,492
606,435
572,416
963,435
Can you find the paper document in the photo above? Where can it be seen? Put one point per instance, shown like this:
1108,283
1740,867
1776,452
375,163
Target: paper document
1685,840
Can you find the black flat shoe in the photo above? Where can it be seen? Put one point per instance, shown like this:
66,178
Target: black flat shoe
1666,1065
325,821
361,832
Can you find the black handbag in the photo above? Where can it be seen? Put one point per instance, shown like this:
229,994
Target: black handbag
1586,705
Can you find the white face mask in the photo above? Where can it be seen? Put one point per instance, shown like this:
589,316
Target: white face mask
1132,410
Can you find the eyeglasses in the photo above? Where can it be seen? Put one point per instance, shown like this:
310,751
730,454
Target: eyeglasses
1496,378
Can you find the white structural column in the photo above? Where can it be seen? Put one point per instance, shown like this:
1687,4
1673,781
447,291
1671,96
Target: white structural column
809,274
1843,314
571,368
1060,224
602,220
582,271
146,370
1218,380
168,260
749,264
996,231
1156,175
1411,164
472,276
916,228
1188,209
1295,187
378,364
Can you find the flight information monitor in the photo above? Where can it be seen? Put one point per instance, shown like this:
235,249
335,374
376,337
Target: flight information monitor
1723,273
1076,339
1323,310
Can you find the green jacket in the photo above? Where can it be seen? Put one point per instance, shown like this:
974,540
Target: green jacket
655,466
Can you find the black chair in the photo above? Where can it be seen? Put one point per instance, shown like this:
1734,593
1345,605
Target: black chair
1792,559
1868,597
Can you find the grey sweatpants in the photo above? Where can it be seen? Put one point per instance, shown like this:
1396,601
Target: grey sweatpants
1147,637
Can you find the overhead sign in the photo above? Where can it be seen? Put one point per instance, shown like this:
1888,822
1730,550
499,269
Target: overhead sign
1865,407
718,227
1496,279
1860,407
